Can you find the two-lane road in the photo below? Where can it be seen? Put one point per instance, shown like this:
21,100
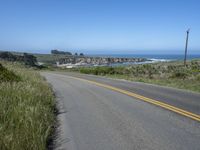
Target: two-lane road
98,118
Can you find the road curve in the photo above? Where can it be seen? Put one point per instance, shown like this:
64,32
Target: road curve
96,118
183,99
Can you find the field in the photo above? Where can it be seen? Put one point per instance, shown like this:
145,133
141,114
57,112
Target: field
172,74
26,108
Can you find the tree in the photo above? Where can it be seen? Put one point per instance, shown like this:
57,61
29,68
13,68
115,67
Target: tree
55,51
81,54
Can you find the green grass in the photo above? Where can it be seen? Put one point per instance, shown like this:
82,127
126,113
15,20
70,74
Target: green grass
26,110
172,74
7,75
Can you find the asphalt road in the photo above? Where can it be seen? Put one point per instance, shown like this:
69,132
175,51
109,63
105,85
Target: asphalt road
96,118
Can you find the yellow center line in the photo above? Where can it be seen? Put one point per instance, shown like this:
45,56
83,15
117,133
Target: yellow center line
146,99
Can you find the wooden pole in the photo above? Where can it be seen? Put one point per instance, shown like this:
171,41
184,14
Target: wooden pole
186,46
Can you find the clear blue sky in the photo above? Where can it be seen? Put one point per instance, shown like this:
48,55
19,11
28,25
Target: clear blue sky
99,26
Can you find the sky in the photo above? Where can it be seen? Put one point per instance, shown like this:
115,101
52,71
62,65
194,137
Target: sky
100,26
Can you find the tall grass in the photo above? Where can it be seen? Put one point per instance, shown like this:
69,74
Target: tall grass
26,111
7,75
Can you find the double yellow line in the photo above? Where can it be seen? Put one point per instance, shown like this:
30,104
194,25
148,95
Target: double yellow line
146,99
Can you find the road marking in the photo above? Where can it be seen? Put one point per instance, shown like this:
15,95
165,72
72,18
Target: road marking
146,99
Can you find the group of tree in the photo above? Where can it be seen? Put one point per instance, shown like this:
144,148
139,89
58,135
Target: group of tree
27,59
81,54
55,51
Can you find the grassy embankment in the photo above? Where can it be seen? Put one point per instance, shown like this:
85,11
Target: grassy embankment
172,74
26,108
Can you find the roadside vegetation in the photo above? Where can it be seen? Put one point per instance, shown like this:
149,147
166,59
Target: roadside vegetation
7,75
26,108
27,59
173,74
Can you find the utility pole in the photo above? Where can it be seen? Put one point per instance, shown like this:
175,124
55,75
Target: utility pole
186,46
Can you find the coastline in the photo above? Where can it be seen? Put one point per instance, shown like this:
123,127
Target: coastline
118,60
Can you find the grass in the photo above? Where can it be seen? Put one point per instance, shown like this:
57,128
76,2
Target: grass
7,75
26,110
172,74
